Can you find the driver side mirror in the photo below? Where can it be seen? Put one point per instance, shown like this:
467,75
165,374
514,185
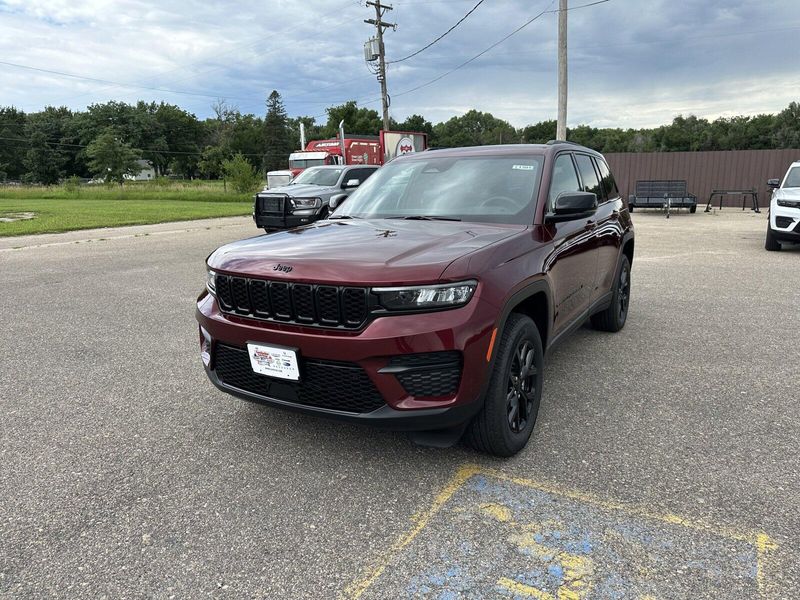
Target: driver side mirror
336,200
570,206
773,184
350,184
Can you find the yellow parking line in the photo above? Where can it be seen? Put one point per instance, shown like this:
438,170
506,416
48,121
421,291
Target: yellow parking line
764,546
520,589
358,587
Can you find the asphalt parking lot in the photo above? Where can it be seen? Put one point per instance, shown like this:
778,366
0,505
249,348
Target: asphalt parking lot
665,462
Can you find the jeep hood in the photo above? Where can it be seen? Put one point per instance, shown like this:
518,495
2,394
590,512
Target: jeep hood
791,193
362,252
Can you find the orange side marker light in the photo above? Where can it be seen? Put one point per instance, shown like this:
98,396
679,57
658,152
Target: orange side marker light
491,345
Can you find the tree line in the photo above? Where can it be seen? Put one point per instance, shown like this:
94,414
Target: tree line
108,139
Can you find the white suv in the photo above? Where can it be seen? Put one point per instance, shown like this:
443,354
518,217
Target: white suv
784,209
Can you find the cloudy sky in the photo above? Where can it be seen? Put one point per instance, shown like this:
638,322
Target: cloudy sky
632,63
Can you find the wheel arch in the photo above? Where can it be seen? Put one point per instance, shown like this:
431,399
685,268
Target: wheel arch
628,246
533,301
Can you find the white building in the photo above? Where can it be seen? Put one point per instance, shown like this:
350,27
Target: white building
146,172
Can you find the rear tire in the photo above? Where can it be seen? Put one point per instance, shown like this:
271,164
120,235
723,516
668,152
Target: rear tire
511,404
693,209
771,243
613,318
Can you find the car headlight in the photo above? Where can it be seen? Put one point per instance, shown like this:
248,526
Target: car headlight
788,204
306,202
211,284
426,296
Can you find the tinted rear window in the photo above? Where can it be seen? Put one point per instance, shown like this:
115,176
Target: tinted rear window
588,175
607,179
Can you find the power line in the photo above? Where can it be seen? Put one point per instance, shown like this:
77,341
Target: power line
461,20
362,101
158,89
105,81
497,43
477,56
580,6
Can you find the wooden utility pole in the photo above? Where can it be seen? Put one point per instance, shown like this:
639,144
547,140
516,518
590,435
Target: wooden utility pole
380,25
561,126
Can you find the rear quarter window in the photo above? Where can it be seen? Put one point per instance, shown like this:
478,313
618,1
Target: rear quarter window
607,180
591,183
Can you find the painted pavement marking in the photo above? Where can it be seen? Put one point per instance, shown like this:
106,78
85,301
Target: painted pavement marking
491,535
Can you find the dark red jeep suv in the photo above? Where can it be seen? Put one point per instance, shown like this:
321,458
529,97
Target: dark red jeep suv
427,301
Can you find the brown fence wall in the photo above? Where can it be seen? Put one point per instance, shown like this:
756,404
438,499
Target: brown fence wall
704,171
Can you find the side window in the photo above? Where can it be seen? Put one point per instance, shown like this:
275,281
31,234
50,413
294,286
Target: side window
564,179
607,180
350,174
360,174
364,174
591,183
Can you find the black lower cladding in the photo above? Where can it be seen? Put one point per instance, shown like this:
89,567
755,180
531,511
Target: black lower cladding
428,375
323,384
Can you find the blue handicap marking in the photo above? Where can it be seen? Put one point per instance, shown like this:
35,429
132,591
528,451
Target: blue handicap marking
494,536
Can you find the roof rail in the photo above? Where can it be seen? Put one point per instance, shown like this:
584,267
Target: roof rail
553,142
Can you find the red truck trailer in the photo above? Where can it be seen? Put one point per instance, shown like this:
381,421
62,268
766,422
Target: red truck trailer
357,150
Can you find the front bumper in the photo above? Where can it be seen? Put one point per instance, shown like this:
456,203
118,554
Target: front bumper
384,417
284,221
784,221
287,221
383,343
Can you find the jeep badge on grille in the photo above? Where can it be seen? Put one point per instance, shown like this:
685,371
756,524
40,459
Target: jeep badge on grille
284,268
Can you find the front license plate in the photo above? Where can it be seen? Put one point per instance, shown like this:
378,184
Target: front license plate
274,361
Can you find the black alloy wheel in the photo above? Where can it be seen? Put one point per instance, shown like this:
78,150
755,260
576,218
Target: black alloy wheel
613,318
514,390
521,389
624,294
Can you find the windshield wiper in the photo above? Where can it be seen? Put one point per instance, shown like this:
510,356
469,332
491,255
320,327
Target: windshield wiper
425,218
342,217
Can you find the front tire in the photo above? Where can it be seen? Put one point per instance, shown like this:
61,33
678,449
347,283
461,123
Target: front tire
771,243
693,209
511,404
613,318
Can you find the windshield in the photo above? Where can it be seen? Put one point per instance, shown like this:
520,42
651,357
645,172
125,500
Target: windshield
304,163
318,176
480,189
792,178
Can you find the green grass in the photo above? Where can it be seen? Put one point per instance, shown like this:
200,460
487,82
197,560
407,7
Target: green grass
58,208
